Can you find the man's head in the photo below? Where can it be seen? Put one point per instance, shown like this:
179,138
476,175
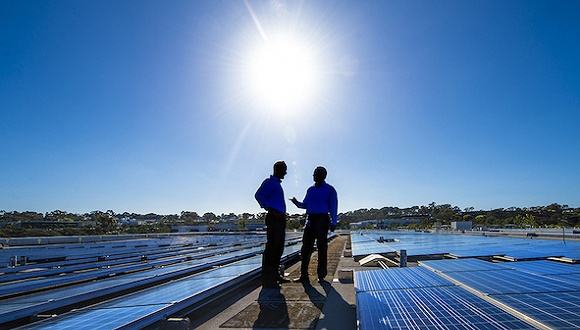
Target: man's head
280,169
319,174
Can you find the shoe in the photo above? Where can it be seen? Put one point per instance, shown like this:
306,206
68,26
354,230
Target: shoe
302,279
283,280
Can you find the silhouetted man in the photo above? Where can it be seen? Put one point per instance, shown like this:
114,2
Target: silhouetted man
270,196
321,204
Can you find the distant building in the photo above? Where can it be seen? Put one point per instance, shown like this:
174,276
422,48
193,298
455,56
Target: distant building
462,225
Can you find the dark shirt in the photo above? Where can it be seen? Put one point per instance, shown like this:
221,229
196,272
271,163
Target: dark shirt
321,199
270,195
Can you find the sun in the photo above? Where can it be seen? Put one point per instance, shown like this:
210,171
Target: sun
282,75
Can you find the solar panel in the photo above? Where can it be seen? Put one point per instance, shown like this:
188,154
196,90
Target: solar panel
65,292
431,308
397,278
559,310
108,318
21,287
543,267
461,265
511,281
531,253
461,245
57,298
249,261
10,308
138,306
230,271
476,252
167,293
569,278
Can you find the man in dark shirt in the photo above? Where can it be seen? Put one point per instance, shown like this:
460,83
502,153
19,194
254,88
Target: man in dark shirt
270,196
321,201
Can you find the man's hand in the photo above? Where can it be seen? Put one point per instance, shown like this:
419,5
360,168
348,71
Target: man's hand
332,227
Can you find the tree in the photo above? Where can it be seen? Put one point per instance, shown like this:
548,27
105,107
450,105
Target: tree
242,223
105,223
189,217
209,218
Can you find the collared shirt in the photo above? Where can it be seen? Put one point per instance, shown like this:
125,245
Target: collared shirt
321,199
271,195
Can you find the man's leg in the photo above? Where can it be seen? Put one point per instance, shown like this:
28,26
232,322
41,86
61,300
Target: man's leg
307,249
322,245
268,258
280,241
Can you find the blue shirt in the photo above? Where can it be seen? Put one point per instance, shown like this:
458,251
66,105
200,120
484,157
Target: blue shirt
271,195
321,199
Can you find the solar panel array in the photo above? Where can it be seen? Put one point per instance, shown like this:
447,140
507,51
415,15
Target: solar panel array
461,265
397,278
413,298
147,306
128,271
546,291
569,278
511,281
365,245
461,246
544,267
431,308
558,310
541,292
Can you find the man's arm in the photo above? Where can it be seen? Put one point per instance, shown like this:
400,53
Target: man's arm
304,203
263,193
298,204
333,208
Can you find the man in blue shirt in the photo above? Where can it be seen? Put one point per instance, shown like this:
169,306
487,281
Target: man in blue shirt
321,204
270,196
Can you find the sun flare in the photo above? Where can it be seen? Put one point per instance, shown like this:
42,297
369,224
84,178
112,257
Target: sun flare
282,75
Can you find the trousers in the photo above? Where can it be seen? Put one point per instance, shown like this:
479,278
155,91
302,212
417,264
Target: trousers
275,238
316,229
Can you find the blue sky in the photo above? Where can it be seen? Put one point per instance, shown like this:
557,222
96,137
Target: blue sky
140,106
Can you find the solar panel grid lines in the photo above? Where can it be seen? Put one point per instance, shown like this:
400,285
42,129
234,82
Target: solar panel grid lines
231,270
501,305
462,265
510,281
418,244
397,278
87,253
79,257
112,318
57,298
544,267
433,308
173,295
569,278
49,282
111,257
559,310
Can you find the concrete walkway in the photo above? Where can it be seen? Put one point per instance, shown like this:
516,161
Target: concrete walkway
326,305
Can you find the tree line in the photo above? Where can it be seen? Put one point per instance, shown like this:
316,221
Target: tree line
58,222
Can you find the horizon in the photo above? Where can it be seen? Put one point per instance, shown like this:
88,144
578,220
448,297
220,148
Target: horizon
200,213
156,108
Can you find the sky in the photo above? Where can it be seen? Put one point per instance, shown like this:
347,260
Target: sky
143,106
